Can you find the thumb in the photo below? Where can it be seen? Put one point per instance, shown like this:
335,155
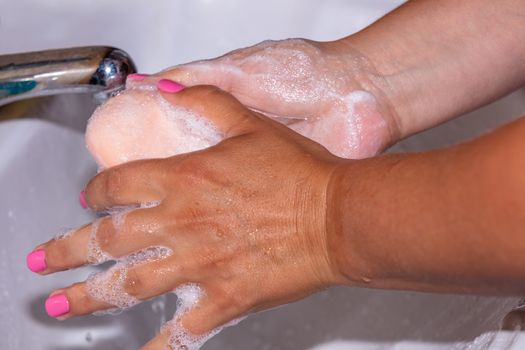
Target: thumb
228,115
206,72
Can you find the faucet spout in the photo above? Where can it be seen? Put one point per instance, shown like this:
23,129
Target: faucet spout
83,69
29,77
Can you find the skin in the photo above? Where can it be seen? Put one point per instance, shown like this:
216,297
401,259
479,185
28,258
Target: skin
209,226
421,62
321,90
449,220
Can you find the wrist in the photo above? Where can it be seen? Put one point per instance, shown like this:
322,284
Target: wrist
356,201
430,67
365,75
312,212
349,267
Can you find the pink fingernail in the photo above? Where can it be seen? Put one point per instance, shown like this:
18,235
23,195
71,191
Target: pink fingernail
137,77
57,305
82,200
36,260
170,86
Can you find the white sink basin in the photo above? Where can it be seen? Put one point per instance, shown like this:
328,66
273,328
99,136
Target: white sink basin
44,166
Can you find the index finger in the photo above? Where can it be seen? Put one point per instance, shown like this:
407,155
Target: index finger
132,183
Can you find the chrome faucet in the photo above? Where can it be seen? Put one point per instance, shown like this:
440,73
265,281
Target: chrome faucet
63,86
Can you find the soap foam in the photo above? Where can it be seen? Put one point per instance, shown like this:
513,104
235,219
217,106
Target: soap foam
151,204
188,295
95,254
109,286
306,89
119,217
64,234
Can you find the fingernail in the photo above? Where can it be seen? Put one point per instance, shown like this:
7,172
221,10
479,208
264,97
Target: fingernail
170,86
57,305
36,260
137,77
82,200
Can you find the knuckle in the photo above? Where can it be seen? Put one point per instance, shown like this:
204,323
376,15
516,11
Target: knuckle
186,165
134,284
59,255
113,184
192,170
105,233
82,301
231,298
207,258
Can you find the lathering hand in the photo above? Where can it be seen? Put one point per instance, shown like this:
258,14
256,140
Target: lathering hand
244,219
326,91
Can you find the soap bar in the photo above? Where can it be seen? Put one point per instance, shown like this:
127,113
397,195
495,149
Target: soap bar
139,123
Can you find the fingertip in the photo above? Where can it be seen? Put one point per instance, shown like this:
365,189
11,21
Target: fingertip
136,77
82,200
57,305
89,193
169,86
36,260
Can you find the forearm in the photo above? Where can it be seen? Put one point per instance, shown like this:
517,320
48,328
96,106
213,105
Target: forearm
449,220
435,60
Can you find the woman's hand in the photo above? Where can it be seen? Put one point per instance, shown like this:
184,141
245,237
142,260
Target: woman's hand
327,92
419,65
244,220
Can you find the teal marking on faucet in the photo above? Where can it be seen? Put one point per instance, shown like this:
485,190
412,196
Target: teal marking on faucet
16,87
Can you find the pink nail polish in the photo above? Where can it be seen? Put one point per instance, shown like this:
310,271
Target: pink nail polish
170,86
57,305
36,260
82,200
137,77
